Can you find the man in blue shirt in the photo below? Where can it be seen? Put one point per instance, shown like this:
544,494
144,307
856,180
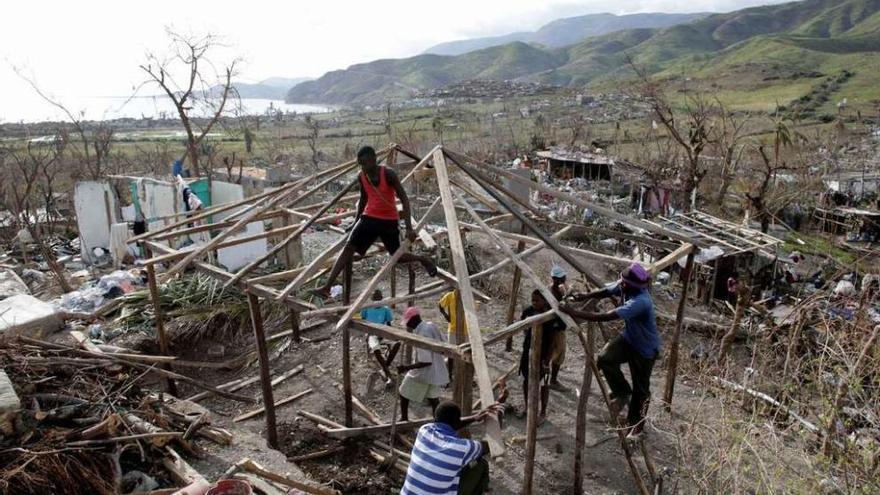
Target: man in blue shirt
638,345
444,463
384,354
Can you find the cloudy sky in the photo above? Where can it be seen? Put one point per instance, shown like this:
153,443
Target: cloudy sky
94,47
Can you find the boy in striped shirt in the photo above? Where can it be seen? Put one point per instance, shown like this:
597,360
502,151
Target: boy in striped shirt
442,463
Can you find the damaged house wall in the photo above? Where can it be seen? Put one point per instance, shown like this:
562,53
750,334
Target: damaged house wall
96,208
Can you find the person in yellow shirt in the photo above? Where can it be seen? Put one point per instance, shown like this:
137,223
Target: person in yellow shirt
446,305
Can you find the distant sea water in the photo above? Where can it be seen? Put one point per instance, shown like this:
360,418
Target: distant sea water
111,107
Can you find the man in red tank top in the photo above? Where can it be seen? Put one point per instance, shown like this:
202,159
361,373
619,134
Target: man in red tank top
377,217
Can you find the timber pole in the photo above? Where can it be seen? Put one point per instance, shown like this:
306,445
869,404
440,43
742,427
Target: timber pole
514,291
588,343
265,380
346,349
533,408
159,316
672,365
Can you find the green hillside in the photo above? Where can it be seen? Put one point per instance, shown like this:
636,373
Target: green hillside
754,58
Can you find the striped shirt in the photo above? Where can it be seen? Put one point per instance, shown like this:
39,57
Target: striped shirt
437,459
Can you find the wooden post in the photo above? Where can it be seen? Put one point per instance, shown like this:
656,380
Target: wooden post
393,284
710,288
588,344
514,291
533,408
672,365
411,288
160,324
295,326
346,283
265,380
346,349
460,367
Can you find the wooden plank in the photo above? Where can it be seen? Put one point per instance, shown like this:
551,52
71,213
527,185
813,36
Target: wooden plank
279,403
387,332
518,326
670,259
374,429
481,368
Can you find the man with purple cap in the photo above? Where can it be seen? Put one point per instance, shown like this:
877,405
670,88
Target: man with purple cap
638,345
427,374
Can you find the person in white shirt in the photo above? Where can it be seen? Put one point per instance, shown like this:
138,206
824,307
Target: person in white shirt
427,375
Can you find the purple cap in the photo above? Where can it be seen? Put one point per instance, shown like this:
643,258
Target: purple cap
636,276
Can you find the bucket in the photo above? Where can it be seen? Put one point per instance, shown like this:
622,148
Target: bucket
230,487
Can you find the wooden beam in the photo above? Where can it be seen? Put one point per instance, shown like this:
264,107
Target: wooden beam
260,411
388,332
481,368
516,327
374,429
670,259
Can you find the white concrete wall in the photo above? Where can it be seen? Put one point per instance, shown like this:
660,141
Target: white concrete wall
95,204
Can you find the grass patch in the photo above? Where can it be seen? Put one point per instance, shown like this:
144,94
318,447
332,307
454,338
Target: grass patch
819,246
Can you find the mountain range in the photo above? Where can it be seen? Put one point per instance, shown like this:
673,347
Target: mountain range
767,48
272,88
568,31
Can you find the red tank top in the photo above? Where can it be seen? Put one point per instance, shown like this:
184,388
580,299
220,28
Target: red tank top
382,200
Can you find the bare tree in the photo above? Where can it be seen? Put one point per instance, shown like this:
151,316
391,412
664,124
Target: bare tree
26,173
764,174
313,132
692,128
730,146
190,56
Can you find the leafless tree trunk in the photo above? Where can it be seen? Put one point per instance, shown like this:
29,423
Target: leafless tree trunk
313,132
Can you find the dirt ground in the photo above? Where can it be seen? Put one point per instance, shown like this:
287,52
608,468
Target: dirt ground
354,471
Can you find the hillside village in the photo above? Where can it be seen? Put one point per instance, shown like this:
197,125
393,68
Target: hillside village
213,301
